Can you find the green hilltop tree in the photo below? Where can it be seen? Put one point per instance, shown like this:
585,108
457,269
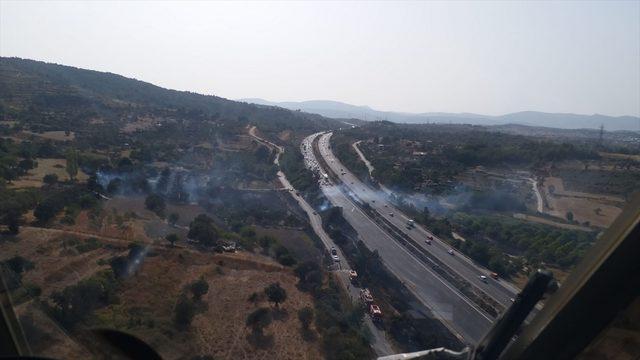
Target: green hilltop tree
199,288
172,238
305,315
275,293
259,319
173,218
72,163
569,216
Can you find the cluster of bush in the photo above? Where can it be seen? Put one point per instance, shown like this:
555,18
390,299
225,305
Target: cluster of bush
188,306
260,318
450,149
488,237
11,271
272,246
71,198
243,207
338,320
81,246
16,159
75,303
301,178
343,149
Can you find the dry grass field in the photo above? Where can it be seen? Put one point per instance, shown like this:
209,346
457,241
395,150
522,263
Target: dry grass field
147,298
46,166
139,124
542,220
583,205
55,135
620,156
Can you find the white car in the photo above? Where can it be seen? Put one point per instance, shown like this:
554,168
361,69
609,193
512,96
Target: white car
483,278
450,251
335,258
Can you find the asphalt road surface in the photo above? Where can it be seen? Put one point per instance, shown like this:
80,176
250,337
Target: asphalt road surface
379,342
500,290
464,318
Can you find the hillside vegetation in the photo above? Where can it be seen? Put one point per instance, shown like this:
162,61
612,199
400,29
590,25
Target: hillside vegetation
125,205
47,96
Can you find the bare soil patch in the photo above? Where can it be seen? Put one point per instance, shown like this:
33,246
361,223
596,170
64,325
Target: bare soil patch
237,143
54,135
541,220
285,135
620,156
139,124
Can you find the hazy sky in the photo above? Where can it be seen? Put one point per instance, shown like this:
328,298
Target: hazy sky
482,57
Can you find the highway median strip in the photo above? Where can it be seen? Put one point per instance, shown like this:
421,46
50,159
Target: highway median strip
477,296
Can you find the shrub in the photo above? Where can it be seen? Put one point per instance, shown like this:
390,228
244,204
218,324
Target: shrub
173,218
172,238
305,315
74,303
199,288
155,203
259,319
50,179
203,230
184,312
89,245
310,275
275,293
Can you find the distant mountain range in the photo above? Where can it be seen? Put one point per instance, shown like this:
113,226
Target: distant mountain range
336,109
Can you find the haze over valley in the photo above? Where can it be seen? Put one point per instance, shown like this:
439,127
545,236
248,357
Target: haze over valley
335,109
146,214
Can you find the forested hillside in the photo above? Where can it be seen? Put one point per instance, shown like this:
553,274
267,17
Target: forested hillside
47,96
105,171
429,157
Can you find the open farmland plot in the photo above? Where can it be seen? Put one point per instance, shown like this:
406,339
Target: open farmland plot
583,206
58,135
619,183
46,166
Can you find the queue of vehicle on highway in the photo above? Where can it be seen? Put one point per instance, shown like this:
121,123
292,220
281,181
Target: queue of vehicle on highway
410,225
310,161
365,295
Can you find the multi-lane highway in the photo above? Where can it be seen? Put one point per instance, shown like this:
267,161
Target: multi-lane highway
499,290
378,340
456,310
